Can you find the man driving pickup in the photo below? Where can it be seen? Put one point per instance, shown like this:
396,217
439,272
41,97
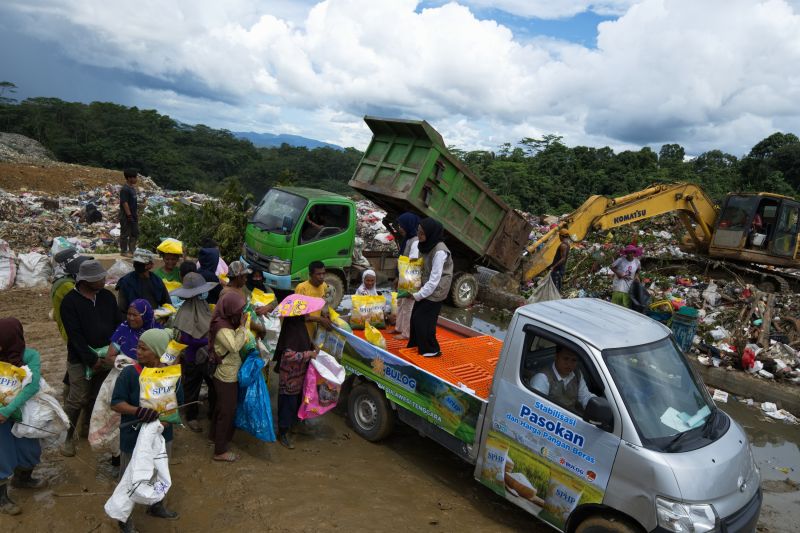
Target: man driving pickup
558,382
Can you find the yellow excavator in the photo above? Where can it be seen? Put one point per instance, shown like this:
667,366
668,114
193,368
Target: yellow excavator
748,231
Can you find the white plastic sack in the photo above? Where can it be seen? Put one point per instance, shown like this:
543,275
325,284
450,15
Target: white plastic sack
34,270
545,291
43,418
118,270
59,245
8,266
329,368
104,423
719,333
146,479
273,326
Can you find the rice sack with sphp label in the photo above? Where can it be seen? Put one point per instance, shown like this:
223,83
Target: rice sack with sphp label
12,380
174,350
410,274
368,309
158,391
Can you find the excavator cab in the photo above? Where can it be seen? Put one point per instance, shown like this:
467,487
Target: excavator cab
759,227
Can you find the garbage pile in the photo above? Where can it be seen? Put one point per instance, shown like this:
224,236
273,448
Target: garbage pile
371,229
31,220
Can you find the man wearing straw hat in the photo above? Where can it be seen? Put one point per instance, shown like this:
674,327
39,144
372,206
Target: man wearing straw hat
626,269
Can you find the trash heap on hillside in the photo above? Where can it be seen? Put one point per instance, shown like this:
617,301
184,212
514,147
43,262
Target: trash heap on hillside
739,327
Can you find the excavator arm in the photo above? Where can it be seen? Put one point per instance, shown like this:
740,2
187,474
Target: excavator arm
694,208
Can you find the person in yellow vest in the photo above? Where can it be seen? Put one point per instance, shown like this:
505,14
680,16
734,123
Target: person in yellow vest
316,287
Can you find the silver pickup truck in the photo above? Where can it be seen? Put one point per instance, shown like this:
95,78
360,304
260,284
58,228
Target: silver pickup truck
587,416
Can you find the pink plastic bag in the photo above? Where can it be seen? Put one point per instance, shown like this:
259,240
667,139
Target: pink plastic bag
323,382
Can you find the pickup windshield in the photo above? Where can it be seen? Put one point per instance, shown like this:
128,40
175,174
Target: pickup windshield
669,407
279,211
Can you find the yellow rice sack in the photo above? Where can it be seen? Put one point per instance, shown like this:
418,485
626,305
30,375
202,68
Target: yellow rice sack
172,285
11,378
374,336
259,298
174,349
367,309
158,391
394,304
410,271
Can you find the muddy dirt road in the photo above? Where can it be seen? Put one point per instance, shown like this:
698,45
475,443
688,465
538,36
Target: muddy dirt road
332,480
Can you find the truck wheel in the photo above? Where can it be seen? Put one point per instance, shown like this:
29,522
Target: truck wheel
606,524
336,286
464,289
370,413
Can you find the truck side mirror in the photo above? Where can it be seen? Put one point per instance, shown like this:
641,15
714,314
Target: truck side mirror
598,413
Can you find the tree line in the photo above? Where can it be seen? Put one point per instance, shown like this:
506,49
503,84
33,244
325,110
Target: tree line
536,175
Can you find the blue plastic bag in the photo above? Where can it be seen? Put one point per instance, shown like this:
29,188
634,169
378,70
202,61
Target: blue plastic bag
254,410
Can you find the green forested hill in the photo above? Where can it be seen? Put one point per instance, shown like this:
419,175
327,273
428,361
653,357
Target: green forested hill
537,175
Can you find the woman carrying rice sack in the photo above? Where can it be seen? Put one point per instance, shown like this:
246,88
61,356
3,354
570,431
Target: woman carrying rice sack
126,401
18,456
125,340
437,275
295,350
227,335
409,246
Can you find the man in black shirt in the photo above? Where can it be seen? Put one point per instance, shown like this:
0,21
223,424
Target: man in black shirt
90,315
128,217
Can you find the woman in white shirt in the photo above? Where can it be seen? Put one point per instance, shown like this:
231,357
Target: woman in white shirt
437,275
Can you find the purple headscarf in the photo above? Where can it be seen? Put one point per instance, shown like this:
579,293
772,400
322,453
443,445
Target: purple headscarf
126,337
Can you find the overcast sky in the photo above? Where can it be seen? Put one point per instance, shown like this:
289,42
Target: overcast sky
703,73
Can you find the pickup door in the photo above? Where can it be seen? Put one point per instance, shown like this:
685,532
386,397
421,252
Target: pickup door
536,450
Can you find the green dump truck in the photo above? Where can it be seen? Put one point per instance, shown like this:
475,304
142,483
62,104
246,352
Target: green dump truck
406,167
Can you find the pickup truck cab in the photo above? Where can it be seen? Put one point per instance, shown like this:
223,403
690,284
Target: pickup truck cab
627,440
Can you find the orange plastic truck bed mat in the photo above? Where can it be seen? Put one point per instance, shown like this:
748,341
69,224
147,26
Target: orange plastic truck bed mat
465,360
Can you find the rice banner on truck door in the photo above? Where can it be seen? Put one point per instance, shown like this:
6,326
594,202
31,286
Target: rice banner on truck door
544,458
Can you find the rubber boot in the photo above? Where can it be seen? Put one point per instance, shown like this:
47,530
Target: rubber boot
127,527
6,505
158,510
68,448
23,479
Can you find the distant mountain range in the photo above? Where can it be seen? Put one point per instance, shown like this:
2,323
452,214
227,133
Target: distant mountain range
277,139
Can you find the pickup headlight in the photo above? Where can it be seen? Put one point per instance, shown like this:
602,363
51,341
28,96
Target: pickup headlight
280,268
684,517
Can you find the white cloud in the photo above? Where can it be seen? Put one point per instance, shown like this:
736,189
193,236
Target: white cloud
705,74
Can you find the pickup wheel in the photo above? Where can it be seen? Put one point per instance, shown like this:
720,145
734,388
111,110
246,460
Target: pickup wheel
369,412
606,524
464,289
336,286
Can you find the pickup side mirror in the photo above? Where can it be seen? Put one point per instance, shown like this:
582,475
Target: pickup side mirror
598,413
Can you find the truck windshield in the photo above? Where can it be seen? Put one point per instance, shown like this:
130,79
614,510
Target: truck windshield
669,407
279,211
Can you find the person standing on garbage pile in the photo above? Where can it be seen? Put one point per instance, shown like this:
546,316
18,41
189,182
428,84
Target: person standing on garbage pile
125,340
208,260
125,400
171,251
141,283
626,269
559,265
437,276
18,456
128,214
226,336
68,262
90,315
193,320
315,286
407,224
368,282
295,350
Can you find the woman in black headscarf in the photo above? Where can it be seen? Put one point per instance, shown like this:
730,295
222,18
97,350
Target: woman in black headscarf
437,275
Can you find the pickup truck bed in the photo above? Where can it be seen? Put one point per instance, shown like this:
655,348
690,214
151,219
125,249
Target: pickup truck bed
465,360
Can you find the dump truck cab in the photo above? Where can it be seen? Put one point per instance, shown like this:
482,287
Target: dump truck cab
293,226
